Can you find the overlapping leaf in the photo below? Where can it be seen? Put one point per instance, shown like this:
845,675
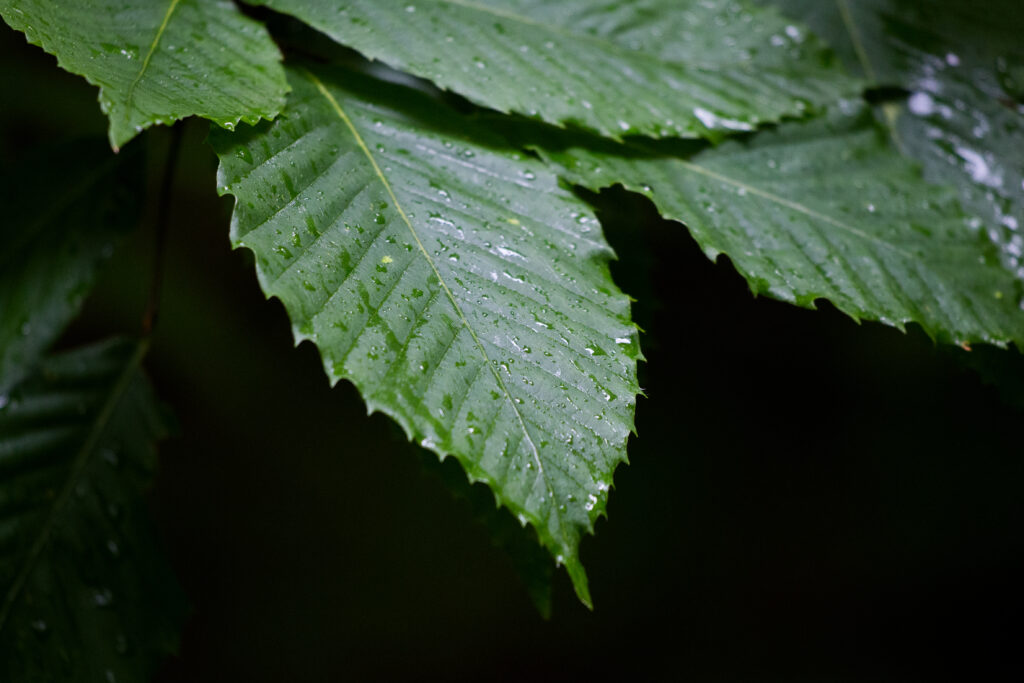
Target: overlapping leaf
64,211
157,62
964,119
453,281
691,68
826,209
86,595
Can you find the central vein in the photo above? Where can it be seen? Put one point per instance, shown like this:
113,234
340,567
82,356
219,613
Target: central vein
76,471
149,54
790,204
890,113
405,218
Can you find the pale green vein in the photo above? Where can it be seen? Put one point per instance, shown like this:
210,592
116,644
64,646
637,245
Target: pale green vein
855,38
149,56
451,296
890,112
78,467
790,204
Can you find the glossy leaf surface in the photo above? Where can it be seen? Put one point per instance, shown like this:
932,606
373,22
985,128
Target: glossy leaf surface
827,209
690,68
157,62
964,117
86,594
65,210
453,281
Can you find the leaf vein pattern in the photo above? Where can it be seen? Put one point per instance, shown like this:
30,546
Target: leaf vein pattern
387,185
149,56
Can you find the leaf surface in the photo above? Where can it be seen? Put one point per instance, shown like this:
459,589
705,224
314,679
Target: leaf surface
157,62
964,117
825,209
65,210
664,68
86,594
453,281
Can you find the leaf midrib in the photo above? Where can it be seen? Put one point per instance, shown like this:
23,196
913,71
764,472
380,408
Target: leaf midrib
76,470
340,111
790,204
149,56
889,112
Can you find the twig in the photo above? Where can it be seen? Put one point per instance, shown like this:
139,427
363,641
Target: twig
149,318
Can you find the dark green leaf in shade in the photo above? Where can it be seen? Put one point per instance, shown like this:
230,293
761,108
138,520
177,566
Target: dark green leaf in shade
157,62
663,68
87,596
963,65
825,209
64,211
453,281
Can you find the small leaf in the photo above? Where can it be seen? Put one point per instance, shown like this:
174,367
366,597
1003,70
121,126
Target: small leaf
65,210
825,209
453,281
157,62
86,594
665,68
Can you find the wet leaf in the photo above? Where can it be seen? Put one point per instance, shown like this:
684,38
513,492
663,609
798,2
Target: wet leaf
86,593
65,210
825,209
157,62
453,281
664,68
964,117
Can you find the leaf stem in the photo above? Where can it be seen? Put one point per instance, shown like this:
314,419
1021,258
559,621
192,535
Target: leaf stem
149,317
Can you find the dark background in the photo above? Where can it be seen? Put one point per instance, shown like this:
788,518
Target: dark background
809,499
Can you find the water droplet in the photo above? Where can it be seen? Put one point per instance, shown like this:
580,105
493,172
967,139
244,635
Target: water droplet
103,597
713,121
110,456
921,104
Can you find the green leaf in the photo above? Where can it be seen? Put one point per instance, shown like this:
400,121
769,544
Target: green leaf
665,68
65,210
86,594
825,209
157,62
964,119
453,281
